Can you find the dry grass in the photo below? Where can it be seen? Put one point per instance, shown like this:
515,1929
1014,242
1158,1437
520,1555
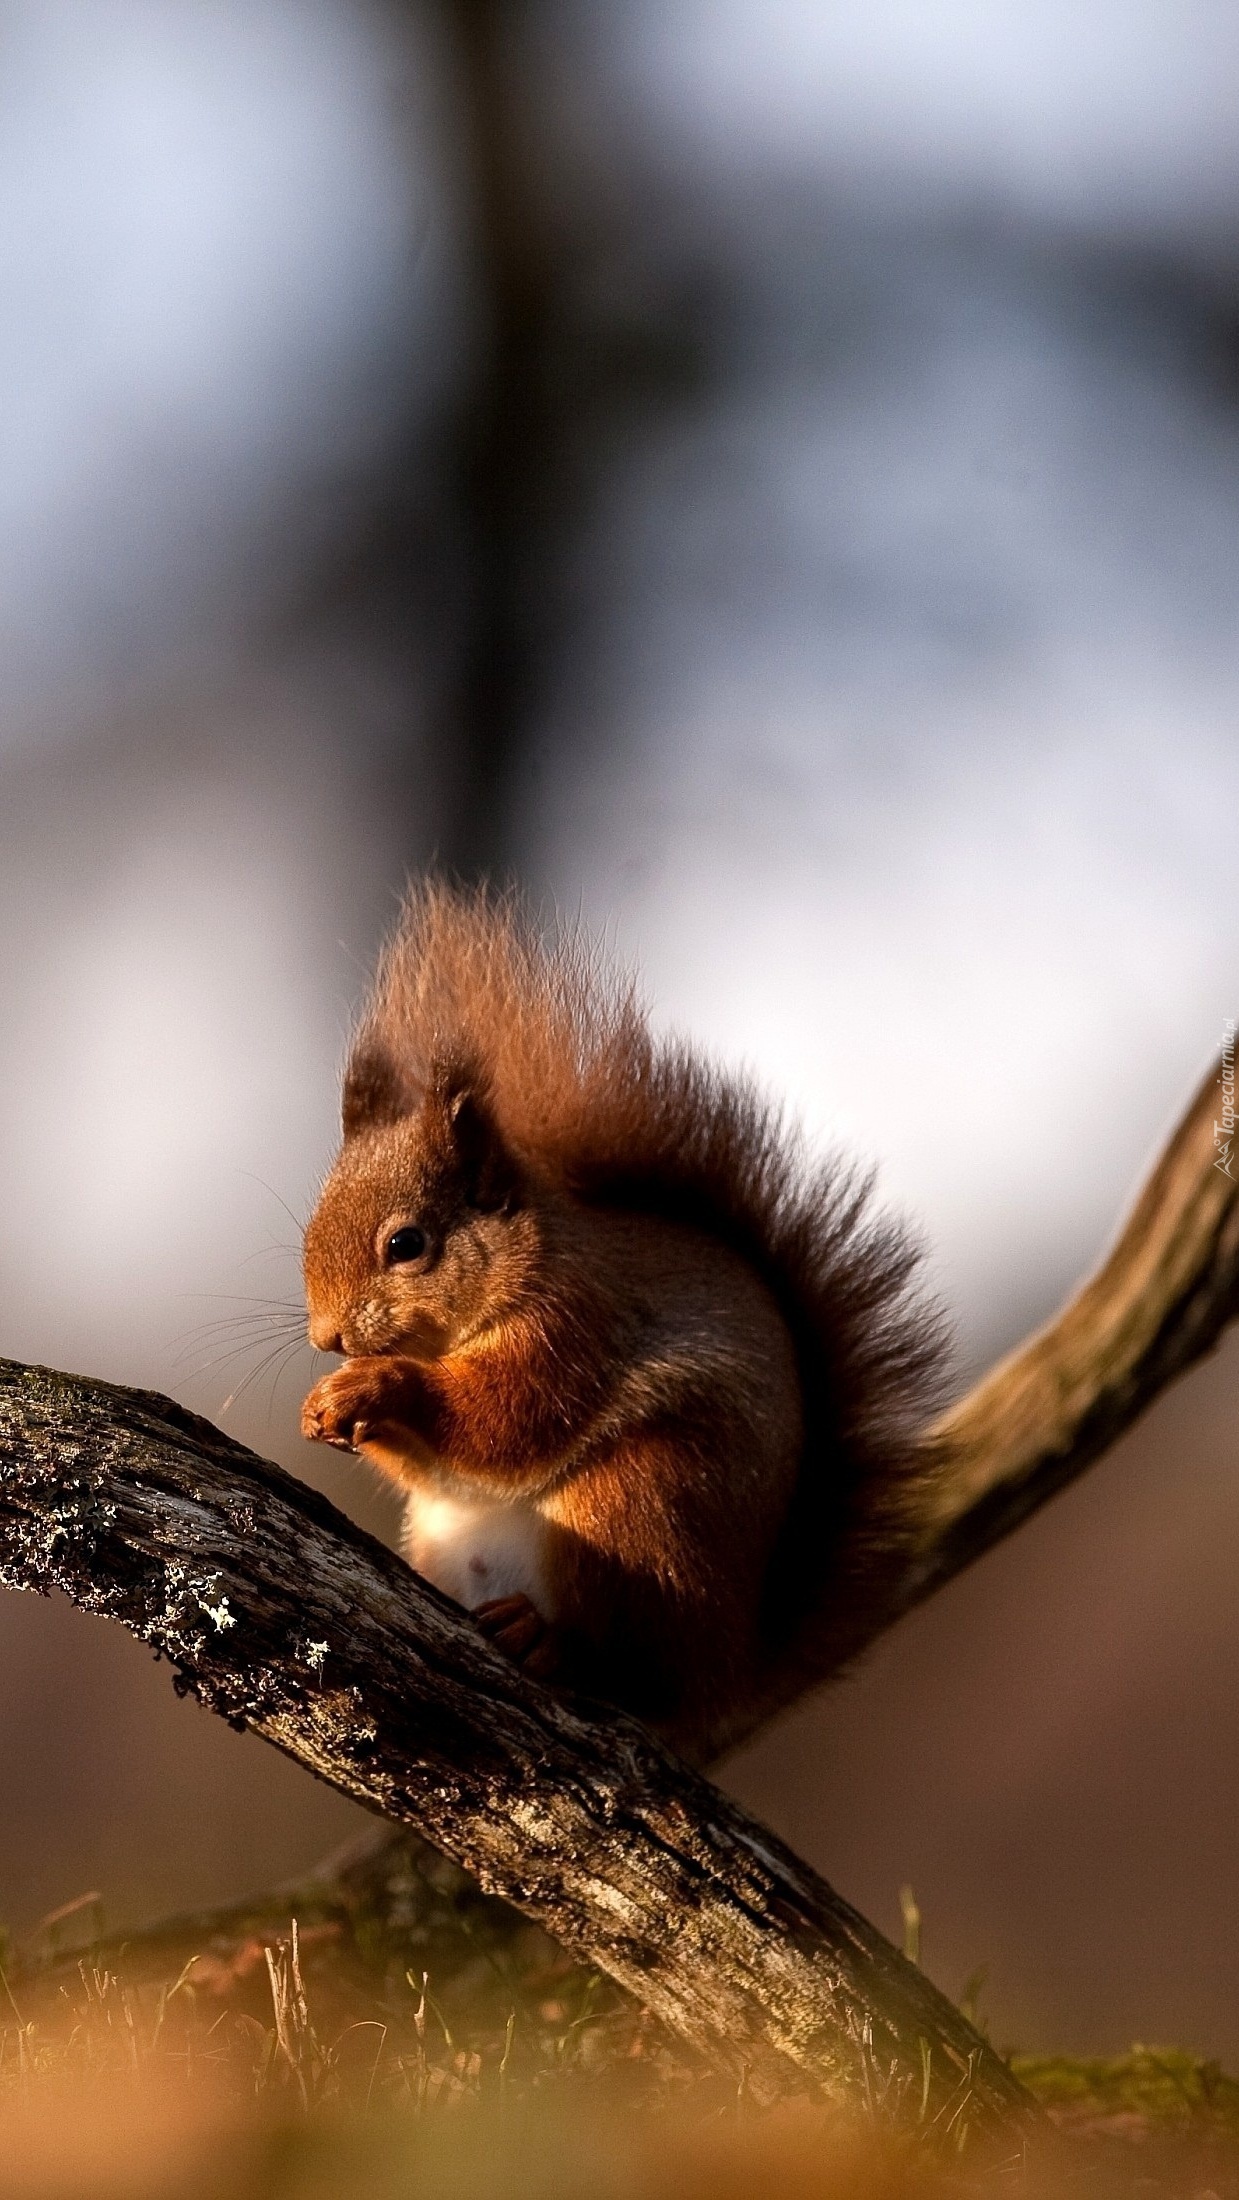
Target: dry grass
255,2087
277,2067
246,2032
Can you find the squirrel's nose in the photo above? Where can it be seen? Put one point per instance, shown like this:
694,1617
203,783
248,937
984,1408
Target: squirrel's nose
324,1336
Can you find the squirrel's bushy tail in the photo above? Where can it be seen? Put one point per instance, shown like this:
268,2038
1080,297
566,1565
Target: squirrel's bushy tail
597,1106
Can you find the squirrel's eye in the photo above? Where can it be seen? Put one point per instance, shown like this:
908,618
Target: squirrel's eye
407,1244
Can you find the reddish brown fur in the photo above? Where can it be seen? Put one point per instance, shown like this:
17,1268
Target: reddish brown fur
647,1323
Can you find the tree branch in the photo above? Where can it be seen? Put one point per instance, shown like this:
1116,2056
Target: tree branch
282,1616
1159,1302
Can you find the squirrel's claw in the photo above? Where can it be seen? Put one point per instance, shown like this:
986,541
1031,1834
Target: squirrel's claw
341,1410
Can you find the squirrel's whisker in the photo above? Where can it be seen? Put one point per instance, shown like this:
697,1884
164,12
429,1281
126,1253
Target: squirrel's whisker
290,1337
297,1223
278,1357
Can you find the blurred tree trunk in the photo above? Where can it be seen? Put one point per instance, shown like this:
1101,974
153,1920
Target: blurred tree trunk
508,443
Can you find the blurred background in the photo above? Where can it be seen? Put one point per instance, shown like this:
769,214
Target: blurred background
769,477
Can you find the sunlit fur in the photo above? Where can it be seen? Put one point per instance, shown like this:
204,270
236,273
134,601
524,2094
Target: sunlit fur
646,1316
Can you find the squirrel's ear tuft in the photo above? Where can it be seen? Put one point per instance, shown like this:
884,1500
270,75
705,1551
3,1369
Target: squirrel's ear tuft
376,1091
489,1170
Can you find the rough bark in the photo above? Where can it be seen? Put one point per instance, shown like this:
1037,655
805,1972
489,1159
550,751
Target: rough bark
282,1616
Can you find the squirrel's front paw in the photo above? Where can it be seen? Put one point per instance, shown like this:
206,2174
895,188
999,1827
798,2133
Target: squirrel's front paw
348,1403
516,1626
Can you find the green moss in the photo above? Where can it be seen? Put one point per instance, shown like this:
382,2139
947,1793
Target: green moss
1163,2087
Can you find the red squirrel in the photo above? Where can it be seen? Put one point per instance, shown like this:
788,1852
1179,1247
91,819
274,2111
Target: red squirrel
650,1376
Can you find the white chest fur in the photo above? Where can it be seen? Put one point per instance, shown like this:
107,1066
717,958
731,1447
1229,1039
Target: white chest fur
476,1548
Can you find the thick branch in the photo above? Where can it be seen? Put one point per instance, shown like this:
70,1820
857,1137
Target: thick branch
282,1616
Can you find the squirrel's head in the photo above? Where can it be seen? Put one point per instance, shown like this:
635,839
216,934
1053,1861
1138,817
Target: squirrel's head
423,1234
